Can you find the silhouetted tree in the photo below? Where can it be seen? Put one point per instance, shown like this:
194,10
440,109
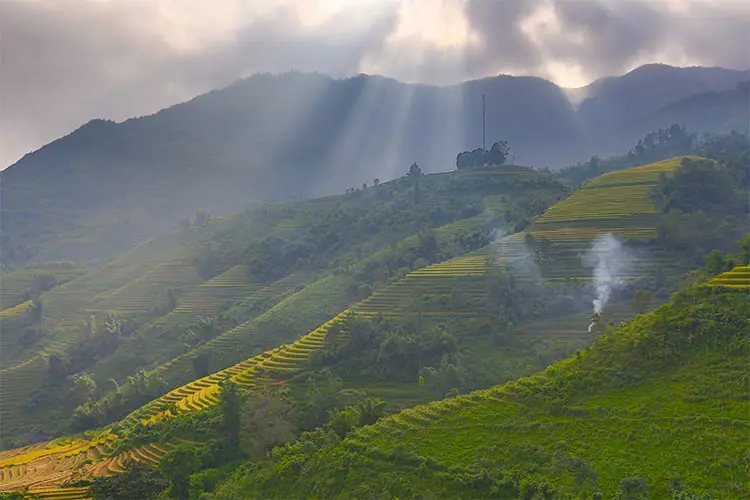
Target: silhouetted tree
414,175
230,402
498,154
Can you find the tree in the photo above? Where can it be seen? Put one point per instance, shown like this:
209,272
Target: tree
58,368
414,172
343,421
138,481
463,160
172,298
714,262
632,488
84,388
414,175
370,410
745,247
37,309
267,421
201,364
230,402
185,227
202,218
428,245
641,300
498,154
178,465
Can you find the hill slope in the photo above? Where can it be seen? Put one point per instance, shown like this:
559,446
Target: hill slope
106,185
244,283
447,296
662,397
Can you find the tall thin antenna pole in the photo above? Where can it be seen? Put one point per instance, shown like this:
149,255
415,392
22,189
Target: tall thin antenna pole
484,126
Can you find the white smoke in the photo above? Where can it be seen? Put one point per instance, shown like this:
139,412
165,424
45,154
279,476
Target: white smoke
610,261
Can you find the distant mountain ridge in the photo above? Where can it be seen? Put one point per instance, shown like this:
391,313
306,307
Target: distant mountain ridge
267,138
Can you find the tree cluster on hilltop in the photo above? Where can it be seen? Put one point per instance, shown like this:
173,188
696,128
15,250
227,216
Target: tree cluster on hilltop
497,155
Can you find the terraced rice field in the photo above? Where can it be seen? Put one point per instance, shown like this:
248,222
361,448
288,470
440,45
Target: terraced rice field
11,316
24,467
618,203
44,466
233,340
150,289
265,368
12,322
467,274
15,285
206,298
738,278
615,195
41,469
65,310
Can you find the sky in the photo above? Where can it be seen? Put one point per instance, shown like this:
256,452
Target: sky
64,62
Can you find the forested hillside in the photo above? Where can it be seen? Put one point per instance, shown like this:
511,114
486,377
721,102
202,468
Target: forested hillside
653,409
107,186
250,280
308,320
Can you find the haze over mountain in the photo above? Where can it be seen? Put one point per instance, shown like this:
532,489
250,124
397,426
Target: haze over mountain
66,63
267,138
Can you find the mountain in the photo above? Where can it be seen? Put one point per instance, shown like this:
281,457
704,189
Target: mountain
108,185
711,111
615,102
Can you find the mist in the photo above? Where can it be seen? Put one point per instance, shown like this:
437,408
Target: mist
521,259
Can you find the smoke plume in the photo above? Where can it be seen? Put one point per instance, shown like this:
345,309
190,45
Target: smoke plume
610,261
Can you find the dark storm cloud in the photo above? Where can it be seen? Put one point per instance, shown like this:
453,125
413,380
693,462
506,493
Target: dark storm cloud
614,34
605,37
61,66
504,42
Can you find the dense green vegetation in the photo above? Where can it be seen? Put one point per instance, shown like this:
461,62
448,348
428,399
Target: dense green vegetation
596,425
106,186
272,273
731,149
280,335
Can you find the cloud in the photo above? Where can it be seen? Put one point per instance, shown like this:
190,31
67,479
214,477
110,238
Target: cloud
595,38
63,63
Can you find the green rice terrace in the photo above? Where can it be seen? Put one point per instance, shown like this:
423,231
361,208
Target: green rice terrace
18,286
657,404
617,203
40,466
738,278
231,300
